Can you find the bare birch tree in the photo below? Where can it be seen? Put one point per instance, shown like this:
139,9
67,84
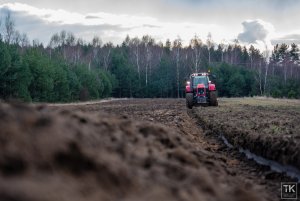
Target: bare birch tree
177,45
209,43
9,28
196,45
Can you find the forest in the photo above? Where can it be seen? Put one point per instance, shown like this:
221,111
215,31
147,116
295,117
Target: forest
71,69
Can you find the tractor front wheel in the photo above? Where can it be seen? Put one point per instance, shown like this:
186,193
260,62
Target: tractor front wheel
213,98
189,100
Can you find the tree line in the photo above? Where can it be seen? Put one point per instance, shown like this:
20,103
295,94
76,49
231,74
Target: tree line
70,69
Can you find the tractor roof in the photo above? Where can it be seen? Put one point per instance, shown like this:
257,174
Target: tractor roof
199,74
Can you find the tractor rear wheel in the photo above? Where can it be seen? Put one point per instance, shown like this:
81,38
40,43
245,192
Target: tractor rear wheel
213,98
189,100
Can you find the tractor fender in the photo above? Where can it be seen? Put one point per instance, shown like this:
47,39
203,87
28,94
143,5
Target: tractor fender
212,87
188,89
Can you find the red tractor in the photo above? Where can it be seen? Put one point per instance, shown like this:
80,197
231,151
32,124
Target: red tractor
199,90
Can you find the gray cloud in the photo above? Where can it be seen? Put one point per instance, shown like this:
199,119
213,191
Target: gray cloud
287,39
180,9
283,14
254,31
37,28
92,17
151,26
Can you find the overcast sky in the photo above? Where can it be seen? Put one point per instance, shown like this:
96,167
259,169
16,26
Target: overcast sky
251,21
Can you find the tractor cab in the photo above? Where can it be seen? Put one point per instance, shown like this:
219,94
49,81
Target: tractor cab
199,79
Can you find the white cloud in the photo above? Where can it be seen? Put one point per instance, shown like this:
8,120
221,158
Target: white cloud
257,32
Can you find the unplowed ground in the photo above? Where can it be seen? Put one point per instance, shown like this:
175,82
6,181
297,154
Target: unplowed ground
147,149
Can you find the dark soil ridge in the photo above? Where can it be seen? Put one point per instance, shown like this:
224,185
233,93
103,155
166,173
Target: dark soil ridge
281,149
66,155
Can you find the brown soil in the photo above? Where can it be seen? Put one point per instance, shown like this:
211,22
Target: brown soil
150,149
